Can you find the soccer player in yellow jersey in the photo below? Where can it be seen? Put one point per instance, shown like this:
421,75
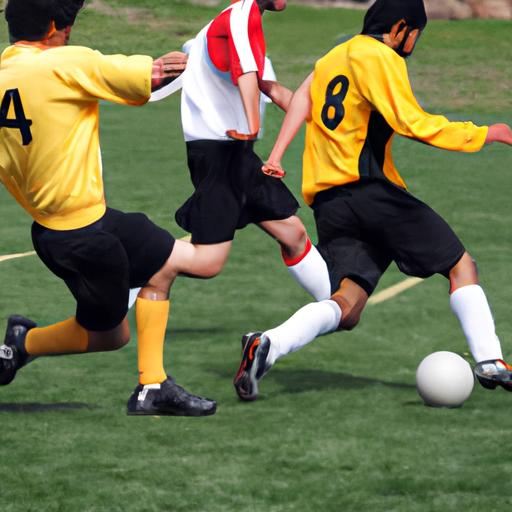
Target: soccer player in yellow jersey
50,162
356,99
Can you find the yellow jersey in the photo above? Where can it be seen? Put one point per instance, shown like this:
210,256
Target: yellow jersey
50,157
361,96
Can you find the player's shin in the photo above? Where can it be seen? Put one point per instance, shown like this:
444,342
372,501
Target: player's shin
309,322
151,318
470,306
310,271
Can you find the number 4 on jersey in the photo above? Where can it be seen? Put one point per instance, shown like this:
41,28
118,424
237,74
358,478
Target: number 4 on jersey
20,122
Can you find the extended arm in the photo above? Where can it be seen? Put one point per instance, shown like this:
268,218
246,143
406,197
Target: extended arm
499,133
167,68
299,111
250,86
388,90
278,93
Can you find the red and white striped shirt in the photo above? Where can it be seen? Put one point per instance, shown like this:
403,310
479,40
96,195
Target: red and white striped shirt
229,46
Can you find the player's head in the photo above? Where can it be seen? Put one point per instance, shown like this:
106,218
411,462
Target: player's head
36,20
65,12
398,23
271,5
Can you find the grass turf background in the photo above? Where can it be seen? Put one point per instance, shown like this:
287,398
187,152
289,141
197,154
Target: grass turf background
339,425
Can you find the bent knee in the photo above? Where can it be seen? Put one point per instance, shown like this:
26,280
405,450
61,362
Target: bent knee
298,235
212,269
294,240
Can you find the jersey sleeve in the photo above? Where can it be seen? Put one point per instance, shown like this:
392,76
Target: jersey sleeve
246,41
117,78
382,79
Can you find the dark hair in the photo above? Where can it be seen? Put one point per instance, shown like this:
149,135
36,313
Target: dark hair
383,14
30,20
65,12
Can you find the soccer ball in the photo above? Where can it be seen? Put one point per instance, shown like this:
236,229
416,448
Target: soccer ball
444,379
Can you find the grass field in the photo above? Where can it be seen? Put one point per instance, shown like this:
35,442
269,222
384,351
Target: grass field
339,425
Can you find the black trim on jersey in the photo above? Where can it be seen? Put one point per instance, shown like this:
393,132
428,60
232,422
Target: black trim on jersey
371,159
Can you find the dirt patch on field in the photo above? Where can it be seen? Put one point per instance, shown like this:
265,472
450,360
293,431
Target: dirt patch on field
132,15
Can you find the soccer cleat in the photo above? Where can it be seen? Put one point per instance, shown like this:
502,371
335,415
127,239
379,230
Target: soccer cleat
12,352
253,365
168,399
494,372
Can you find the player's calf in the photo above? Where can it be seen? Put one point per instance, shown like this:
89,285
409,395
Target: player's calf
351,299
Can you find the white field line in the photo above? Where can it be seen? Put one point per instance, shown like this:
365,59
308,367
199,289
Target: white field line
382,296
6,257
394,290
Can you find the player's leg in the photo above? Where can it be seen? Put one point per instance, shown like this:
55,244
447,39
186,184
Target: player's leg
426,245
341,312
152,303
150,252
94,266
24,342
470,306
301,257
272,206
199,260
354,264
262,349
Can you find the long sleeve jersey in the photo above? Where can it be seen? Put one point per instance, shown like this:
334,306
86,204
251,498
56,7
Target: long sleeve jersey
361,96
49,127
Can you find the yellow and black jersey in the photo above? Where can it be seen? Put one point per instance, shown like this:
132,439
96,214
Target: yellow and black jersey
361,96
49,120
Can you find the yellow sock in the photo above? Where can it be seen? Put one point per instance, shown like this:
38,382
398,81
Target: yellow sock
67,337
151,318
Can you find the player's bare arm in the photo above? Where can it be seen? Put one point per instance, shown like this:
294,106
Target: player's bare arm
499,133
298,112
250,94
166,68
278,93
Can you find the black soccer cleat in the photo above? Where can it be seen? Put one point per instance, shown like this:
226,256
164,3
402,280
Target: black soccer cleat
168,399
493,373
12,353
253,365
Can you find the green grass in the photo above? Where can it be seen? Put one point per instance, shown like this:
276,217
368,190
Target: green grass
339,425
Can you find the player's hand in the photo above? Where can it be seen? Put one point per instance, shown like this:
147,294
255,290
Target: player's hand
233,134
273,169
173,63
167,68
499,133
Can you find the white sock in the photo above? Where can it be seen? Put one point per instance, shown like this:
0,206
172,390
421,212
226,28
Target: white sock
303,327
472,309
310,271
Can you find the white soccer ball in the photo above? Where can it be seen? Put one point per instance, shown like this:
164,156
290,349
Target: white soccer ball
444,379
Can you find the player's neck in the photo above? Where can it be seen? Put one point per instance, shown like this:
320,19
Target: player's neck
53,39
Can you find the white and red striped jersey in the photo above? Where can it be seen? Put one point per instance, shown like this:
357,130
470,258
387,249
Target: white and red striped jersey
229,46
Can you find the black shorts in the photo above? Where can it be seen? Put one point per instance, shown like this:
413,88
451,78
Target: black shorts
101,262
230,191
364,226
